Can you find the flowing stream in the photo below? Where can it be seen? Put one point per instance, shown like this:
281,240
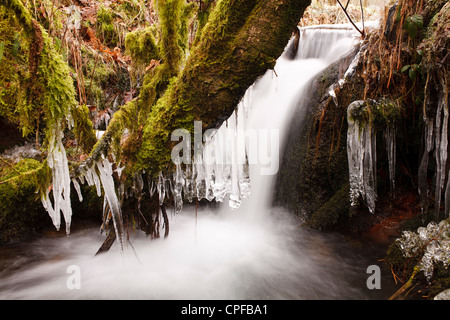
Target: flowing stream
254,251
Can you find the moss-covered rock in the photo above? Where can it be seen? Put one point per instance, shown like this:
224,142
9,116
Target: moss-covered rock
21,211
313,177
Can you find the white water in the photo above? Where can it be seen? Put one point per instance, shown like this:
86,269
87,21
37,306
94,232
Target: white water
217,257
254,252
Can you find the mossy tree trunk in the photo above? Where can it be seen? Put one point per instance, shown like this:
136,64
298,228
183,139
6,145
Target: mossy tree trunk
237,45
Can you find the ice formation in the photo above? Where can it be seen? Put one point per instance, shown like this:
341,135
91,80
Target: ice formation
107,180
361,150
57,161
100,175
433,240
218,168
391,149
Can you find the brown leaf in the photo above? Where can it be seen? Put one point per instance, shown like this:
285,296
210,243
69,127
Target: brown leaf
153,64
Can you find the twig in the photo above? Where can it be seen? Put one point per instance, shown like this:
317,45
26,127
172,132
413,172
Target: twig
65,29
406,285
106,245
350,19
93,73
362,17
346,6
166,221
9,164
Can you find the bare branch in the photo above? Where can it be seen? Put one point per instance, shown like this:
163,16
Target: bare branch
350,19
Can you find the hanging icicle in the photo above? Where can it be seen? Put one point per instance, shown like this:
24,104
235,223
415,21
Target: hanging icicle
390,139
361,150
107,180
57,161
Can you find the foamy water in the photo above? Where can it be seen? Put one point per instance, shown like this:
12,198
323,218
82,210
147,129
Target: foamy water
211,257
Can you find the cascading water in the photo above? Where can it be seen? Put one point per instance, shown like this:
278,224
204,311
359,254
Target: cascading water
248,251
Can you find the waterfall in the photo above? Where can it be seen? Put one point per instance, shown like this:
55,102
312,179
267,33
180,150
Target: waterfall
241,158
246,248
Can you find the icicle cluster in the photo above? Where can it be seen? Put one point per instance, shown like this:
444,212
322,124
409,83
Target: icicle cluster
361,151
391,149
100,175
362,156
436,137
218,168
57,161
433,240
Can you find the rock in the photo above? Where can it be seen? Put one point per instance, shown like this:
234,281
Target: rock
444,295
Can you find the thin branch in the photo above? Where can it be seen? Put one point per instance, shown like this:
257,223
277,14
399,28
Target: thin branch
346,6
349,18
166,221
407,285
362,17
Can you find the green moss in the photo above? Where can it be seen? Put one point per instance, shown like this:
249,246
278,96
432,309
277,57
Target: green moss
13,73
105,28
52,81
84,132
329,214
381,113
204,13
185,19
170,14
226,60
402,266
20,207
141,45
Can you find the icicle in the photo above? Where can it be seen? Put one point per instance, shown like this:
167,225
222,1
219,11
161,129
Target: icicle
178,188
188,187
437,156
78,189
161,187
369,176
219,153
107,180
242,159
391,148
440,152
361,150
444,101
151,186
209,161
247,101
423,167
199,175
57,161
235,196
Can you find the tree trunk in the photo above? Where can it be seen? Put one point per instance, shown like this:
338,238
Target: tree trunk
241,40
